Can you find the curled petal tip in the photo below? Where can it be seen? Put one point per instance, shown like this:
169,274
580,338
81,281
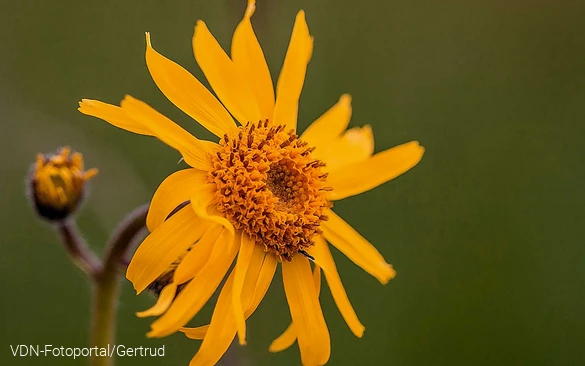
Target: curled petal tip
417,144
84,102
127,99
129,277
385,273
91,173
199,23
390,273
250,8
345,98
420,149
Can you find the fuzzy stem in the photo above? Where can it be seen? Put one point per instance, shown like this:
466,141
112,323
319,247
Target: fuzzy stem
107,283
123,238
105,297
77,249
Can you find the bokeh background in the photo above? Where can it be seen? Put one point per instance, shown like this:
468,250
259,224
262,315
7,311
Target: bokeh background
486,233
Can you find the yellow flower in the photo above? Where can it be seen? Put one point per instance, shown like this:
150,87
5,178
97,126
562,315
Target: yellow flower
58,183
260,196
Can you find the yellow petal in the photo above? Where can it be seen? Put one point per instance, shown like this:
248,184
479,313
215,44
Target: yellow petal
138,117
317,278
247,246
187,93
306,313
330,125
223,76
263,280
323,258
173,191
380,168
196,293
113,115
202,197
221,331
249,60
289,336
285,340
163,246
198,256
197,333
163,302
258,279
90,173
355,145
355,247
195,152
292,76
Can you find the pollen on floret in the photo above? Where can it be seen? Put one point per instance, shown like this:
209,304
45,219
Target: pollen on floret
57,183
269,186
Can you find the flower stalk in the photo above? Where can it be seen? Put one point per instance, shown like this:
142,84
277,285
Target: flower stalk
56,187
106,288
77,248
107,282
104,274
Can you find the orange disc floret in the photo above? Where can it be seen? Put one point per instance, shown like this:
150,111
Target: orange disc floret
269,186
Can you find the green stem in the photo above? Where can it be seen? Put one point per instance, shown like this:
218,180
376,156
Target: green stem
107,284
105,298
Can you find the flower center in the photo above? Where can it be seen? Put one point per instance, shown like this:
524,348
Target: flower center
269,186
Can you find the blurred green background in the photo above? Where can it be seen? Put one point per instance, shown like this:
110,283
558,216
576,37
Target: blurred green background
486,233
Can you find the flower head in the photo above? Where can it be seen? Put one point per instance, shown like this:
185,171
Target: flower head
259,196
57,183
269,186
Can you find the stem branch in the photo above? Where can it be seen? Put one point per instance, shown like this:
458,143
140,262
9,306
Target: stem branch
78,250
107,284
123,238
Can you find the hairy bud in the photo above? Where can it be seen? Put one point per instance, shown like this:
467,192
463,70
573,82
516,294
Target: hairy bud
57,184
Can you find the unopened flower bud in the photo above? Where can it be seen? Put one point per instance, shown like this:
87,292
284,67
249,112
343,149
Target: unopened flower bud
57,183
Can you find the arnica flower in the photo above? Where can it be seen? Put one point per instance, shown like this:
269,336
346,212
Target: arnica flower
259,195
57,183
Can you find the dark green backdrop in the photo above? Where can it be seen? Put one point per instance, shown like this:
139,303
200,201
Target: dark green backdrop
486,233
